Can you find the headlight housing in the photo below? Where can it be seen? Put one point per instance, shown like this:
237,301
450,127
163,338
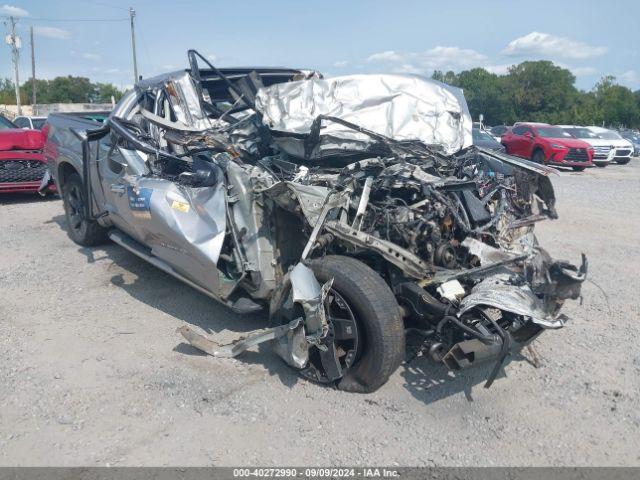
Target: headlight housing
558,146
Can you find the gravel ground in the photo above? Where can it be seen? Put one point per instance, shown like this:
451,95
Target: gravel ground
93,373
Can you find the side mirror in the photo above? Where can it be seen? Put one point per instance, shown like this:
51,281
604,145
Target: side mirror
528,135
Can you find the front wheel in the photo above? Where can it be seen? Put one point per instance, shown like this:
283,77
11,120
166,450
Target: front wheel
365,343
578,169
600,164
623,161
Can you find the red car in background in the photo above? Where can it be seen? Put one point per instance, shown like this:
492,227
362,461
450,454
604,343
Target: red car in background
544,143
22,164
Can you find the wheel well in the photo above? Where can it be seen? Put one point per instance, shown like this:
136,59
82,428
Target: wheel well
537,149
64,170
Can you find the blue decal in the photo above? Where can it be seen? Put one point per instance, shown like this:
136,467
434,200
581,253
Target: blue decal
139,201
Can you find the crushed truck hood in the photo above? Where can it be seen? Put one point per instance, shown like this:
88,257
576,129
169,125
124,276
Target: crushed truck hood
402,107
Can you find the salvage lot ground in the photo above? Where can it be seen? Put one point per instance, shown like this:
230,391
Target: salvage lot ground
93,373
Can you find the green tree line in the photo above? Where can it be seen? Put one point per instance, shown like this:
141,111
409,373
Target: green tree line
539,91
67,89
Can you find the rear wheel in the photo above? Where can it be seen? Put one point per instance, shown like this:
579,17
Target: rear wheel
578,169
365,343
83,231
538,157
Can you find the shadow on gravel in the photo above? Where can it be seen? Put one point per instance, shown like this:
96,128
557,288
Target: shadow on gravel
429,381
153,287
18,198
60,221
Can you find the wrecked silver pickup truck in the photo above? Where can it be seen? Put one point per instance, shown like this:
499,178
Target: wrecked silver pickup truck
354,208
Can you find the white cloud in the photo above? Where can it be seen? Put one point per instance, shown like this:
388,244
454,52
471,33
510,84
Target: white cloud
13,11
340,63
631,78
407,68
388,56
51,32
440,57
212,58
583,71
94,57
498,69
577,71
546,45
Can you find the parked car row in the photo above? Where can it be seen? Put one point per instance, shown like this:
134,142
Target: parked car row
23,167
571,146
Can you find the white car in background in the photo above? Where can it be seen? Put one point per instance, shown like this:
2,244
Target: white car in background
603,150
30,123
623,148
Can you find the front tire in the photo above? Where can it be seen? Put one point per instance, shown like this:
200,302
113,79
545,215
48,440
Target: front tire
361,295
600,164
578,169
81,230
624,161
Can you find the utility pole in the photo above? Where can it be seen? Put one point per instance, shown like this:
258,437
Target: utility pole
14,41
132,14
33,72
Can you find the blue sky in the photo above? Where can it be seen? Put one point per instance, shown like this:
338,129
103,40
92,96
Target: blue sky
592,38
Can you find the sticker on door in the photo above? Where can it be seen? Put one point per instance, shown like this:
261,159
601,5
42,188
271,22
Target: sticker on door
140,202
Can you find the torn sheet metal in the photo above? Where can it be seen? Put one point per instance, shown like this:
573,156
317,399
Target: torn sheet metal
411,264
402,107
486,253
228,348
183,97
293,347
310,294
496,291
519,162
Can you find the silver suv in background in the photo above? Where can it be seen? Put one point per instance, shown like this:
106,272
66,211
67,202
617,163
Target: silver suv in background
623,148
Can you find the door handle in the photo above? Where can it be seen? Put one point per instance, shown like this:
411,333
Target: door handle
118,188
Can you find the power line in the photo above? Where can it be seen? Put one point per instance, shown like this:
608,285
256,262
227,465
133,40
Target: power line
38,19
100,4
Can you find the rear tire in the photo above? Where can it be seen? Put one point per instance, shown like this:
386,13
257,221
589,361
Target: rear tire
538,157
578,169
380,330
81,230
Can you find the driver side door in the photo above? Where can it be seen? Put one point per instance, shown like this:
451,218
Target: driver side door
118,171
